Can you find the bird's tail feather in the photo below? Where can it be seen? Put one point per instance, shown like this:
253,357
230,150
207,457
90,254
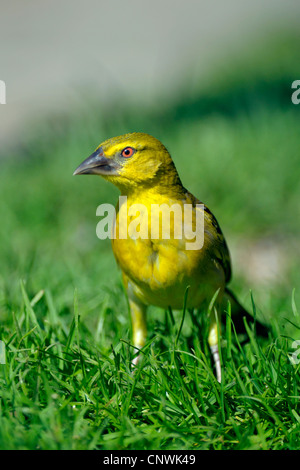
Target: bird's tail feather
238,313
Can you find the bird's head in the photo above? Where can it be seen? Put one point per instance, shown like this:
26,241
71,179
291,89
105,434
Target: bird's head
132,161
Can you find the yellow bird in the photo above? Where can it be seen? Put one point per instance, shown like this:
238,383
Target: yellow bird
157,266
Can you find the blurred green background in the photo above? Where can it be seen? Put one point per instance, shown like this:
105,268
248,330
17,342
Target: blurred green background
234,135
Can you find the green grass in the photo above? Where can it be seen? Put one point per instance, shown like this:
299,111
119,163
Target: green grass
67,381
62,388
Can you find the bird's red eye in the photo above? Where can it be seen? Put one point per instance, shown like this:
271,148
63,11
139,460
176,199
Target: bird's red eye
127,152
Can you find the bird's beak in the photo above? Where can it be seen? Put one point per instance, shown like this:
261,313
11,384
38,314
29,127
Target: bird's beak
97,164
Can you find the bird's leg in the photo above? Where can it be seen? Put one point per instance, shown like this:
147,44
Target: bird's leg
213,343
139,327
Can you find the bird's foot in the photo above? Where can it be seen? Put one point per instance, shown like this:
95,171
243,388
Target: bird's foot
216,357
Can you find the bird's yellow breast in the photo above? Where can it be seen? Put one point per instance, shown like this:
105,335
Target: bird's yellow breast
156,260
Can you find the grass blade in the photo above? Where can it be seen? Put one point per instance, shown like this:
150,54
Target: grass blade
183,315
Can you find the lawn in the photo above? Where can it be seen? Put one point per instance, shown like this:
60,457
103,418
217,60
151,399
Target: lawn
66,382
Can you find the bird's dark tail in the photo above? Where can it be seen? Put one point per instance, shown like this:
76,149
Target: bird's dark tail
238,313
